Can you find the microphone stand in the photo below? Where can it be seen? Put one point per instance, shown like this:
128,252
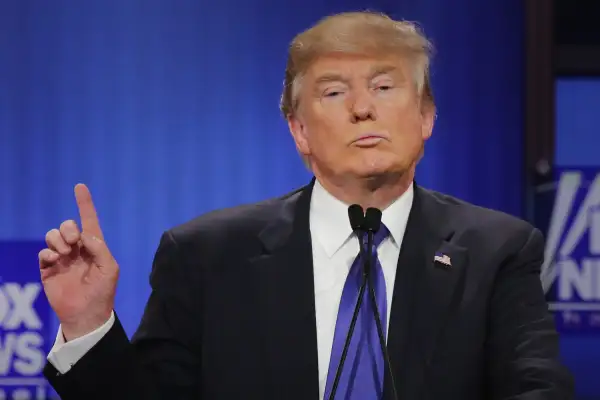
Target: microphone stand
359,301
362,223
384,350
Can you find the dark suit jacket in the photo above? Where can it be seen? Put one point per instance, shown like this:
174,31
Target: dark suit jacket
232,314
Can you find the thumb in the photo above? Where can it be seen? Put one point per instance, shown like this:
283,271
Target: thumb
97,248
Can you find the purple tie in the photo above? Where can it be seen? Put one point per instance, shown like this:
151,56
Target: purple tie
362,374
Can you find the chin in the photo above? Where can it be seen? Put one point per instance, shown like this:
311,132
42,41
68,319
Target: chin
378,165
374,172
380,169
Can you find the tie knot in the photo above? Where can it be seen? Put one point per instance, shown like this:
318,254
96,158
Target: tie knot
379,236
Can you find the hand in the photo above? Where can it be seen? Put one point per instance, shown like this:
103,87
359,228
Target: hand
79,274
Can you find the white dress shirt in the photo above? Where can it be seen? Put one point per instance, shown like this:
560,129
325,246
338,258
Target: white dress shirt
334,249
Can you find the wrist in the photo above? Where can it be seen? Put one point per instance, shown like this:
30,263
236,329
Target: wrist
78,328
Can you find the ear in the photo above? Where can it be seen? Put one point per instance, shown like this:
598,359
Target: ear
298,131
427,119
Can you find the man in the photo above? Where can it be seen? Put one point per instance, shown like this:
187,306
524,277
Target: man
254,302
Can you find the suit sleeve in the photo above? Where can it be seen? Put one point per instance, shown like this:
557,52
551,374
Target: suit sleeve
524,345
64,354
162,361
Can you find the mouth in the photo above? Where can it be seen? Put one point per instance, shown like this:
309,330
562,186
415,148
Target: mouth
369,140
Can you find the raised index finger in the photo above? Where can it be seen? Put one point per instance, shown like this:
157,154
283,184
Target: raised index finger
87,211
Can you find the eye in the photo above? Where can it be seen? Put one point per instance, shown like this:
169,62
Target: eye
383,88
332,93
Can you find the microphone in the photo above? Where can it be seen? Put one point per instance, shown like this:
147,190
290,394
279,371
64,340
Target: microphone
356,216
364,223
371,225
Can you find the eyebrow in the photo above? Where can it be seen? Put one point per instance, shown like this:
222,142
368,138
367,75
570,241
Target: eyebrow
335,77
330,77
382,69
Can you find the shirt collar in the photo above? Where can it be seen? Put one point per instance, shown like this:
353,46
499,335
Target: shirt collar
330,224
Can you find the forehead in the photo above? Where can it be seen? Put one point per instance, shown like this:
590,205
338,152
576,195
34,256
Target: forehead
350,66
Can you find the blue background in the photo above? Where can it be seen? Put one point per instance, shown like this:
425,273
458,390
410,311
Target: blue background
16,268
168,109
577,122
12,255
578,145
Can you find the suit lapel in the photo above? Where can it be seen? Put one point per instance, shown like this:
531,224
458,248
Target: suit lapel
424,291
287,300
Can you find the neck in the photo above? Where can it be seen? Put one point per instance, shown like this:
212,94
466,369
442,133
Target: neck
378,192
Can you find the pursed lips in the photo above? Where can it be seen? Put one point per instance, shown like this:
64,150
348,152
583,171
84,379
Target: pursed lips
370,138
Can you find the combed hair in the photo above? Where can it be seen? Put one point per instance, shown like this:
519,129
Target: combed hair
361,33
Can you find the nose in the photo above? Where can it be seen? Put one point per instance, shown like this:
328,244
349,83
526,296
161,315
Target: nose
362,107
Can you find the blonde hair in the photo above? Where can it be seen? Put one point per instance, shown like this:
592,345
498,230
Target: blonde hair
356,33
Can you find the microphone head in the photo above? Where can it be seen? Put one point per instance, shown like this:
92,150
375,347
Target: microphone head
372,220
356,215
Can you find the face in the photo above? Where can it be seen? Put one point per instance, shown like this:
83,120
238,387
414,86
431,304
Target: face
360,117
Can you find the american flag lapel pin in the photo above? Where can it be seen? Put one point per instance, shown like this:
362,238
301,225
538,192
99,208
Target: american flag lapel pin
442,259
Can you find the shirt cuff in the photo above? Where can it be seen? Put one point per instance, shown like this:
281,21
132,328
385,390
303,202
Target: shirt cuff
65,354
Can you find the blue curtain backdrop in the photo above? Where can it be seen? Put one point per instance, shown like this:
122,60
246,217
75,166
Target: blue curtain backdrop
169,108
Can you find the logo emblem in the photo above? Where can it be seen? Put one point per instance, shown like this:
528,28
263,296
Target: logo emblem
571,271
24,321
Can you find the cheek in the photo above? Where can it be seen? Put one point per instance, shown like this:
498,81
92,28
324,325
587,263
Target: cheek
407,134
406,120
325,128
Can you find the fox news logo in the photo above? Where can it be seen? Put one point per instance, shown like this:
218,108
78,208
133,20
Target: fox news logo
571,270
23,314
